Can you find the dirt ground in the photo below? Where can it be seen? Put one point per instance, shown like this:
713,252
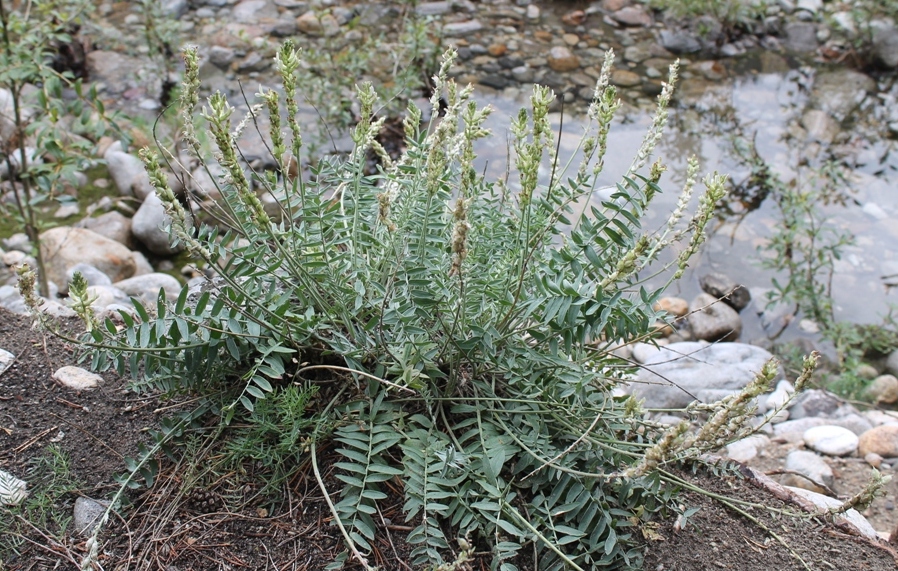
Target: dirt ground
213,520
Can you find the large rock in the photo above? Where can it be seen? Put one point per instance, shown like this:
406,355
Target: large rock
119,73
253,11
813,473
146,287
713,320
678,371
831,440
561,59
680,41
63,247
114,225
814,403
91,275
147,226
885,43
128,172
882,440
722,287
883,389
801,36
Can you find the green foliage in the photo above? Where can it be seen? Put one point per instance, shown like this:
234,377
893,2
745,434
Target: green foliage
59,127
456,331
731,13
48,505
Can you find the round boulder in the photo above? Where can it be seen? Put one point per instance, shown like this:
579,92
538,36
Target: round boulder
713,320
882,440
63,247
831,440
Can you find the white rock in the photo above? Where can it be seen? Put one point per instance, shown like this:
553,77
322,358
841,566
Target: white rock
63,247
747,448
106,295
831,440
6,359
851,516
12,489
91,275
880,417
77,378
810,465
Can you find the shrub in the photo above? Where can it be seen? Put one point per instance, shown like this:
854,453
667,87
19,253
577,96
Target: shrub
444,331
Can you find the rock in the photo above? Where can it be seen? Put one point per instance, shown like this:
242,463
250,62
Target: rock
780,396
712,320
175,9
222,56
91,275
720,286
561,59
854,422
87,514
820,126
625,78
460,29
873,459
252,11
832,440
311,25
839,92
128,173
147,286
866,372
632,16
77,378
799,426
113,225
814,403
851,516
142,264
6,359
574,18
880,417
12,489
533,13
119,73
883,390
433,8
800,36
892,363
494,80
147,226
63,247
676,372
679,41
747,448
882,440
106,295
675,306
818,474
884,44
18,241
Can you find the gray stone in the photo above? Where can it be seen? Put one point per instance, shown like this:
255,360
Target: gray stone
720,286
713,320
813,467
680,41
433,8
91,275
76,378
106,295
885,43
141,264
128,172
814,403
839,92
460,29
799,426
831,440
113,225
251,11
747,448
801,36
632,16
63,247
18,241
883,389
222,56
119,73
812,6
676,372
147,226
175,9
147,286
12,490
88,513
561,59
853,422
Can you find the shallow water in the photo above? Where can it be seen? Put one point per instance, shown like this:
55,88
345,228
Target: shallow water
800,119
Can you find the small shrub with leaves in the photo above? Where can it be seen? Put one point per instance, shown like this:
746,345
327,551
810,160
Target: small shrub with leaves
438,329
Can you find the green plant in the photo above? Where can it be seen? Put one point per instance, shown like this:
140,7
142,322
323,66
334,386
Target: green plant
46,136
47,509
730,13
456,333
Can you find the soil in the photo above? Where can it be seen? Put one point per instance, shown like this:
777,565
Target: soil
203,519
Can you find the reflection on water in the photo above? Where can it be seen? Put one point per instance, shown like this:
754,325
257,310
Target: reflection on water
801,122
